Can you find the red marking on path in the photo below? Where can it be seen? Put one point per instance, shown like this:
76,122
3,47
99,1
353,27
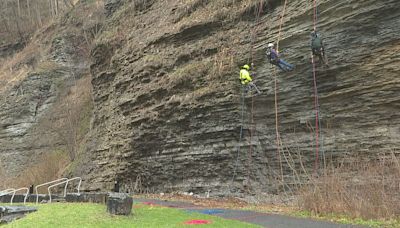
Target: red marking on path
197,222
149,203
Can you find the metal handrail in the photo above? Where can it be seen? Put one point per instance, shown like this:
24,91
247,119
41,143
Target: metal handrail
66,185
79,185
11,190
7,191
16,190
47,183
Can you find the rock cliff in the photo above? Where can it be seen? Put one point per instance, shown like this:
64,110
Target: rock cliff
39,76
168,102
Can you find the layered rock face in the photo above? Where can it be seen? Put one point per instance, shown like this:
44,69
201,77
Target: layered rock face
20,112
168,100
28,98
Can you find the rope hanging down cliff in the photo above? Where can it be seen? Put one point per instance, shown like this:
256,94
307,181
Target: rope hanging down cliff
258,13
252,126
278,137
240,140
280,25
316,98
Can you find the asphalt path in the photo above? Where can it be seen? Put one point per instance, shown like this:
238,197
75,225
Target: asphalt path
262,219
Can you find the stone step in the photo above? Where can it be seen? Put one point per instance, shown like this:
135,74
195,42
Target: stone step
11,213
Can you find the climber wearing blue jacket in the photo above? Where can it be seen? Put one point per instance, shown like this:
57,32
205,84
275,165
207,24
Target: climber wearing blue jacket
273,57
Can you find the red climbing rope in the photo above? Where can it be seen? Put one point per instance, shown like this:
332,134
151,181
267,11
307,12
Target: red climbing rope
252,107
278,137
316,109
254,33
252,128
315,15
280,25
316,102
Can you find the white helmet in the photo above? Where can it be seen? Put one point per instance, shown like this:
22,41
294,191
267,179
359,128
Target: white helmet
270,45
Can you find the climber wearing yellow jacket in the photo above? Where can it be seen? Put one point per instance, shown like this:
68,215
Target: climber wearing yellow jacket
246,80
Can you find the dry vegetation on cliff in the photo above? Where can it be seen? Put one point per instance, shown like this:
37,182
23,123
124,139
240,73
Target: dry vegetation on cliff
46,88
166,100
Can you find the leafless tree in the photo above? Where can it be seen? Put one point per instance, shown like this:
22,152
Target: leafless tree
19,18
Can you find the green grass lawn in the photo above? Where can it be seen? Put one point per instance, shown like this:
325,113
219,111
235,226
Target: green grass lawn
80,215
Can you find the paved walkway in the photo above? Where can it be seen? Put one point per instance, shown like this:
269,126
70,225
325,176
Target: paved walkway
263,219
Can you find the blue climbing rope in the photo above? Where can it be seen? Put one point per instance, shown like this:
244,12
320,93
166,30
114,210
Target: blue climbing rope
240,140
258,13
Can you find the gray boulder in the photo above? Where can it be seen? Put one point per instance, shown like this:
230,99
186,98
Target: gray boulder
119,204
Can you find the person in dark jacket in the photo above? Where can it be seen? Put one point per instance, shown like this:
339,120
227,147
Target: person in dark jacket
274,58
317,47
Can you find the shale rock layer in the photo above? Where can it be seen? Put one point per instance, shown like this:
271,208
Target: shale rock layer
168,101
